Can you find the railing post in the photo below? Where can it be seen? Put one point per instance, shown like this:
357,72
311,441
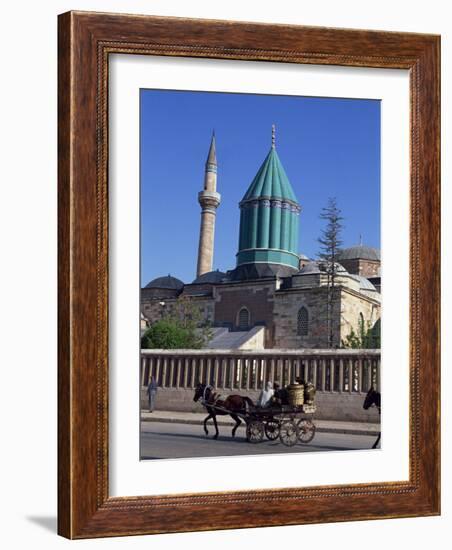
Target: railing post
178,362
185,363
208,373
369,381
248,374
350,374
341,375
165,367
194,363
378,376
231,373
157,369
143,370
360,375
272,370
216,360
332,369
314,372
323,373
256,370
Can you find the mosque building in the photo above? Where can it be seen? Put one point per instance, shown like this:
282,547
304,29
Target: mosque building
275,297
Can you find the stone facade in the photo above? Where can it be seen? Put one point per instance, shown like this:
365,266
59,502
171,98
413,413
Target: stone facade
277,308
156,309
257,298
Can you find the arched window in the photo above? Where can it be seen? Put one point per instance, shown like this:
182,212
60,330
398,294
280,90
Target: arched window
302,322
243,318
362,328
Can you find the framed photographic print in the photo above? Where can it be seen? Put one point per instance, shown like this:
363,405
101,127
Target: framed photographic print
248,275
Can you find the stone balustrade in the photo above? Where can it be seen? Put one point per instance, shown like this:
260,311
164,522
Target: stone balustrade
339,370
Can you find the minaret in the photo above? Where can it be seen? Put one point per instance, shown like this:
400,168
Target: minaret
209,200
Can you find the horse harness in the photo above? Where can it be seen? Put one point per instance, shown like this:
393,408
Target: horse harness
204,400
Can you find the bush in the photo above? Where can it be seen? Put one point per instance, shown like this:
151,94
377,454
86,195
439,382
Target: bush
367,337
167,334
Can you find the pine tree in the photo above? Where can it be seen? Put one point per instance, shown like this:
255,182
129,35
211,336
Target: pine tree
330,243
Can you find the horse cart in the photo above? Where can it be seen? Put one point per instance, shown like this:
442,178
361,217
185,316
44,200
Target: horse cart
290,419
288,423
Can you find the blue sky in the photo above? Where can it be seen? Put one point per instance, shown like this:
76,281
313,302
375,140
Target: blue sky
329,148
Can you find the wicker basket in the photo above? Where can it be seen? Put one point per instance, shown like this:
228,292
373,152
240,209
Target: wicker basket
309,393
296,394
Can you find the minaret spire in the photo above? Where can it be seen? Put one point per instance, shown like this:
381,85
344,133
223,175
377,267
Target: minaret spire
273,136
209,201
212,156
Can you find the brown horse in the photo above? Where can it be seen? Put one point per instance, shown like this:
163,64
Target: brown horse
373,398
215,406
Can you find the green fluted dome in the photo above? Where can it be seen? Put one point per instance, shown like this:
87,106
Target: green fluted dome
271,181
269,215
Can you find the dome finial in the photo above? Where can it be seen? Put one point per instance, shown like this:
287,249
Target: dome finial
360,240
273,136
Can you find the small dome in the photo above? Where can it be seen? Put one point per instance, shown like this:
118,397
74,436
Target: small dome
211,277
168,282
364,284
303,257
359,252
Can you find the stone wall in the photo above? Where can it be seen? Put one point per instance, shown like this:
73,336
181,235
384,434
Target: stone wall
352,308
330,406
287,306
153,309
257,297
348,306
365,268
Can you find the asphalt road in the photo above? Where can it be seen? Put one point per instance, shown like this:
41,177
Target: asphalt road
168,440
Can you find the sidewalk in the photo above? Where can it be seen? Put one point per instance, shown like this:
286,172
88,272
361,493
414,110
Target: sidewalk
327,426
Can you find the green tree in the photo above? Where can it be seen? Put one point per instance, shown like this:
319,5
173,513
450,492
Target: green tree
330,243
182,328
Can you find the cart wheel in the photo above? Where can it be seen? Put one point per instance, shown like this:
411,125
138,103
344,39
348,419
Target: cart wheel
306,430
289,433
255,431
272,429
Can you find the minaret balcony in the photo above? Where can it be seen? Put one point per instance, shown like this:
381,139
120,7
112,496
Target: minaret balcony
209,199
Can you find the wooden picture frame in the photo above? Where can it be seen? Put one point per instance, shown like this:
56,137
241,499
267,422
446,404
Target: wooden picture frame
85,508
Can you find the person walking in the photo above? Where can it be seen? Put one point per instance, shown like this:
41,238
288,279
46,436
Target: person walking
152,392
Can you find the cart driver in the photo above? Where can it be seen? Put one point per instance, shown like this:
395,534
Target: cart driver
265,396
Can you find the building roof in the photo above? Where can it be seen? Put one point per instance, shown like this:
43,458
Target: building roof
359,252
364,283
252,271
319,266
311,268
271,180
168,282
211,277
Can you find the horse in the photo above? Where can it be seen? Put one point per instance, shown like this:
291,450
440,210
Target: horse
373,398
231,405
